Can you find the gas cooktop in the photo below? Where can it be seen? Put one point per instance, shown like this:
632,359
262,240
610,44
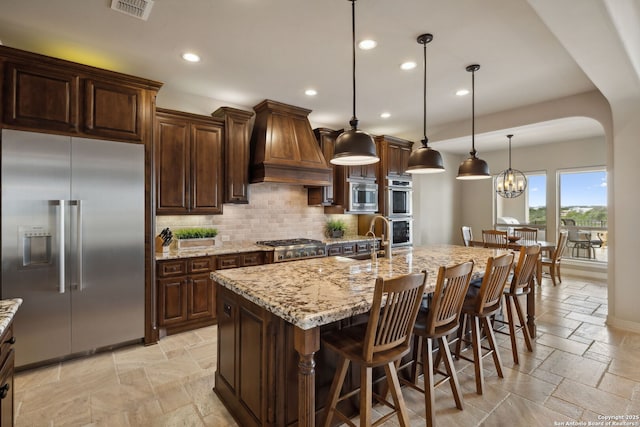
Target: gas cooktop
289,242
295,249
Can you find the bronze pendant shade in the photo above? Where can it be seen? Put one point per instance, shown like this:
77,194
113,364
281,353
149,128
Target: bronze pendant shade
473,167
354,147
425,159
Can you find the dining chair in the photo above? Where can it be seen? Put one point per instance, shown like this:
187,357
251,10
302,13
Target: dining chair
479,305
526,233
467,235
382,341
441,319
520,285
495,239
553,261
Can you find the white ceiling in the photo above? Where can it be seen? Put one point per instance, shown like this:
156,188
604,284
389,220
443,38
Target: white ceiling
257,49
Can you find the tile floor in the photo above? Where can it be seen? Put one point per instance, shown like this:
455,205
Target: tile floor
580,370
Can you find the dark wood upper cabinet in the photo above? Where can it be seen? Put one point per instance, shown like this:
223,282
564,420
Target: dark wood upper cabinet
324,196
394,156
237,154
28,86
48,94
188,163
112,110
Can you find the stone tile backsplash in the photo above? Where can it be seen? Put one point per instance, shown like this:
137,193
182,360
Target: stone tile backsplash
275,211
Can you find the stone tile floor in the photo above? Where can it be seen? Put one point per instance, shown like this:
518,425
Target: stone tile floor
580,370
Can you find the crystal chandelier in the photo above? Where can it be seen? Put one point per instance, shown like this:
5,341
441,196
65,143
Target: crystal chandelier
510,182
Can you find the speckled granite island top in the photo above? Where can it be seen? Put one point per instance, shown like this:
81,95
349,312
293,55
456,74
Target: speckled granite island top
315,292
8,309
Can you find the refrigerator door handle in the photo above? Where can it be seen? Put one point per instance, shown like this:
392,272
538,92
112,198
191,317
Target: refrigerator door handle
61,247
79,263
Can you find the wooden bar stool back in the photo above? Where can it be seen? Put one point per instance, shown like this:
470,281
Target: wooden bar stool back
385,339
495,239
441,319
478,308
520,285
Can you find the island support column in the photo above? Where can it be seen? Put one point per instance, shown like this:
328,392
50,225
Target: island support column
307,343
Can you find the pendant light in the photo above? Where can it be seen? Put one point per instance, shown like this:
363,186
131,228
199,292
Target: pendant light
354,147
425,159
473,167
510,183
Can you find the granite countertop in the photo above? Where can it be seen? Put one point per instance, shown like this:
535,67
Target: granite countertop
8,309
237,247
318,291
225,248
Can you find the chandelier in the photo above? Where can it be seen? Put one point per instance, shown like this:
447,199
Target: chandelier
510,182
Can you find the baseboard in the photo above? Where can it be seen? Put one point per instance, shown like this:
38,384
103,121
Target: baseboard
623,324
584,270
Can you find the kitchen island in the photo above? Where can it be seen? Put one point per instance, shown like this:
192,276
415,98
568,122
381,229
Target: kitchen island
271,317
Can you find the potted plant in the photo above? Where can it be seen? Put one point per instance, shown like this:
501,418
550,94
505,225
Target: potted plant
195,237
335,228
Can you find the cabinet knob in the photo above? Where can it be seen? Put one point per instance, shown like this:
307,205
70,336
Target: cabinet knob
4,390
11,340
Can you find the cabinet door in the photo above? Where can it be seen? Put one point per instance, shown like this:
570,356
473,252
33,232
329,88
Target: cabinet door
398,160
41,98
206,169
201,297
334,250
113,111
172,166
227,351
6,391
172,301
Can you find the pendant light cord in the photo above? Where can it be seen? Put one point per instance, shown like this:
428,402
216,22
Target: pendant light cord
473,113
424,99
509,136
354,119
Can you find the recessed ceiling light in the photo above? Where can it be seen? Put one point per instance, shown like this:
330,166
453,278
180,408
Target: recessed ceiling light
190,57
367,44
385,115
409,65
311,92
462,92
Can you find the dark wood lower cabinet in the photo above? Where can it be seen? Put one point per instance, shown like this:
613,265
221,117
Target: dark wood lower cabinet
186,294
257,373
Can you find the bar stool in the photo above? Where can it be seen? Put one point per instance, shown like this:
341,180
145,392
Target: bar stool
441,319
479,305
385,339
520,285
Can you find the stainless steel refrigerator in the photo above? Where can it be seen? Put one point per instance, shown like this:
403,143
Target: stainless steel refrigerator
72,242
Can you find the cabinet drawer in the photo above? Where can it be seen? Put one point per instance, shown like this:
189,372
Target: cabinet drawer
228,261
254,258
171,268
202,265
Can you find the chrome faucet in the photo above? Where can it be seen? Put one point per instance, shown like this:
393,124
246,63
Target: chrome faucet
387,242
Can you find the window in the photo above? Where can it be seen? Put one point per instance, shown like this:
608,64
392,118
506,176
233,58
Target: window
583,211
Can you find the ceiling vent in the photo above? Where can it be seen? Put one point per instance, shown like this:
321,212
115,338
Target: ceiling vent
137,8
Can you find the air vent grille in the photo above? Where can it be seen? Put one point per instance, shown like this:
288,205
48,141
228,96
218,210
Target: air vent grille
137,8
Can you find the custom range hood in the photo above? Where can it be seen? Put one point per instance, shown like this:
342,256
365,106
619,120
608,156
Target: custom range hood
284,148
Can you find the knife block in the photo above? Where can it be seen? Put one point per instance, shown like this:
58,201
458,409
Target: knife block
160,248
